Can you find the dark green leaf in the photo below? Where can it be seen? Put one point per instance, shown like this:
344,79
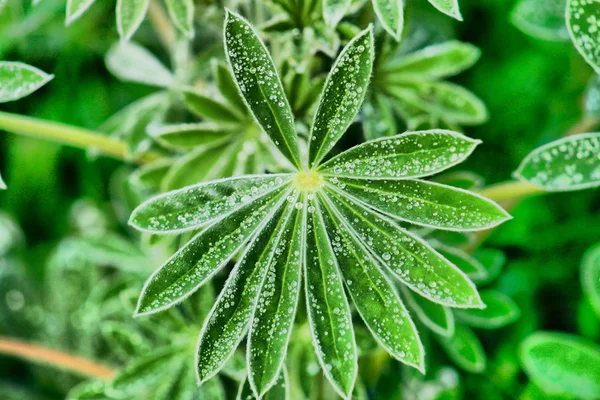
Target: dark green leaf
187,136
464,348
500,310
434,316
208,108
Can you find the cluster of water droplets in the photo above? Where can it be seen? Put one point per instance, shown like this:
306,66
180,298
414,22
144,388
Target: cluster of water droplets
583,18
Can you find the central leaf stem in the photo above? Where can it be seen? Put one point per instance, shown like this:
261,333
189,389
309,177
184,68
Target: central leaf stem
310,181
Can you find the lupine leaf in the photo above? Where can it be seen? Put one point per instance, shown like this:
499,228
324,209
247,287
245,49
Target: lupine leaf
409,258
208,108
18,80
372,293
205,254
409,155
435,316
328,310
426,203
342,95
279,391
492,260
76,8
465,262
130,14
464,348
273,319
570,163
182,15
448,7
391,15
227,87
260,86
191,207
230,317
581,21
334,11
437,61
89,390
187,136
500,310
131,62
125,341
590,277
378,117
544,19
562,364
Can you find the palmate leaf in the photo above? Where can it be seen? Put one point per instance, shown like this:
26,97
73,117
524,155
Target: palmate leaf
570,163
130,14
18,80
260,86
581,21
76,8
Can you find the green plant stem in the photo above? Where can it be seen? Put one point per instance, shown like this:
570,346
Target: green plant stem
69,135
510,190
58,359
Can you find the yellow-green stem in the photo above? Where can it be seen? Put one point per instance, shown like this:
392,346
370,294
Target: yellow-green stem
510,190
69,135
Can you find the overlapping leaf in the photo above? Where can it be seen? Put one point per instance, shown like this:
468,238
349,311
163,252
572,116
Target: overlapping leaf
130,14
582,17
18,80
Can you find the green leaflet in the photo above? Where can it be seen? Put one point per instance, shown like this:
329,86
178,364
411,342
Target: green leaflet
570,163
500,310
124,340
409,258
562,364
182,15
378,117
279,391
462,179
191,207
543,19
328,310
434,316
426,203
492,260
448,7
2,183
130,14
89,390
409,155
205,254
438,61
208,108
187,136
581,21
260,86
465,262
590,277
334,11
391,15
273,319
76,8
464,348
227,87
131,62
230,317
18,80
372,293
342,95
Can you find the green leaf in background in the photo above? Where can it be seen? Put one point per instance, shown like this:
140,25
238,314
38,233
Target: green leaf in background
76,8
259,83
278,301
2,183
590,277
426,203
391,15
193,206
409,155
89,390
182,15
205,254
131,62
334,11
570,163
464,348
464,261
279,391
18,80
130,14
562,364
448,7
492,260
543,19
433,315
328,309
500,311
208,108
372,293
188,136
342,95
437,61
409,258
227,86
581,21
232,313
